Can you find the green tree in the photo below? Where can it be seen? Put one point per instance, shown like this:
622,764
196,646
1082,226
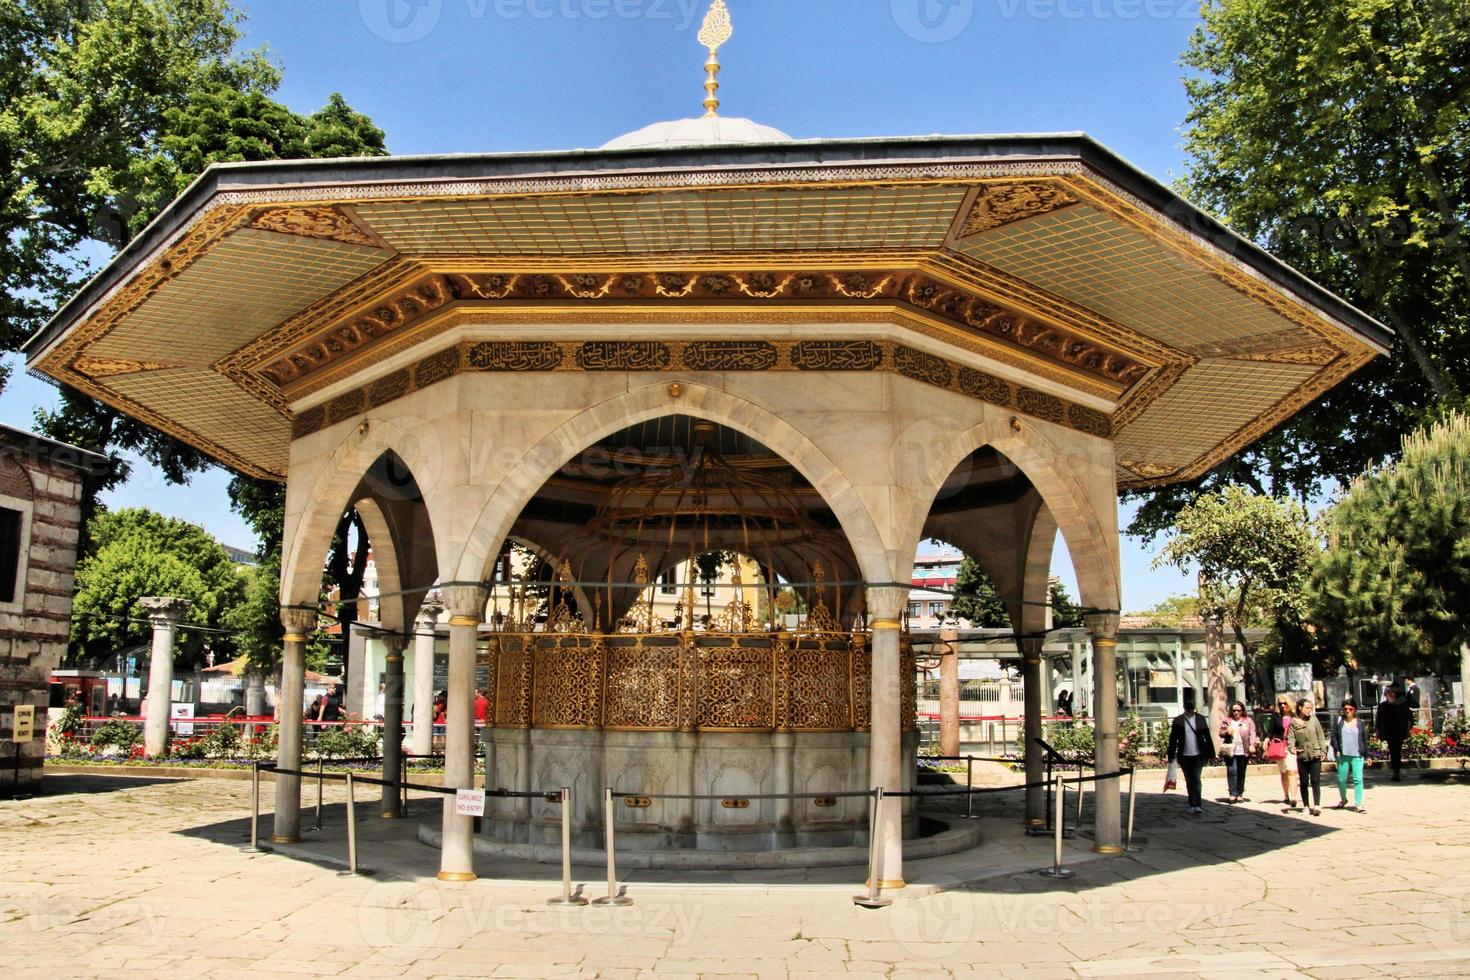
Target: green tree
1336,134
1391,585
1253,555
135,553
1065,614
111,108
975,598
1174,612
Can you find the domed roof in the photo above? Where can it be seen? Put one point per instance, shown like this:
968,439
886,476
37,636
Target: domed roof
703,131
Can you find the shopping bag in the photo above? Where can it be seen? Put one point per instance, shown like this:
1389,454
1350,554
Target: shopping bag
1171,778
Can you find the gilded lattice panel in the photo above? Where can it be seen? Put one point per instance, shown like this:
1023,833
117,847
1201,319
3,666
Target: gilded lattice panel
862,683
513,682
567,683
816,686
735,688
642,685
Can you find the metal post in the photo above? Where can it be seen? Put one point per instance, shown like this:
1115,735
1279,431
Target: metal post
351,828
255,805
613,896
874,899
1056,870
990,738
1129,842
567,898
1081,793
969,788
319,766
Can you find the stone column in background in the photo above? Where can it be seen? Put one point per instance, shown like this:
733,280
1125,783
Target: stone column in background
949,690
164,612
392,722
1107,808
290,705
466,605
422,742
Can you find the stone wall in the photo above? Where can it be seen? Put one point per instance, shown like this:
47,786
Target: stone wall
46,488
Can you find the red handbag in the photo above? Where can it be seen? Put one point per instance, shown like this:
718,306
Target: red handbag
1276,747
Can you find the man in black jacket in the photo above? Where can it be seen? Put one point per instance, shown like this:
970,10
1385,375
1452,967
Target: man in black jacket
1190,744
1392,724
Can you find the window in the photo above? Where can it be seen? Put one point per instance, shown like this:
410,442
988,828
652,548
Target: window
914,608
667,585
11,522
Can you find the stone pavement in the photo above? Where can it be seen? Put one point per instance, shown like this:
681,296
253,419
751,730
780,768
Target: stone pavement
109,874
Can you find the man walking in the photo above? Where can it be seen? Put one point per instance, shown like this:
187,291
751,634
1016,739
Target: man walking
1392,724
1190,745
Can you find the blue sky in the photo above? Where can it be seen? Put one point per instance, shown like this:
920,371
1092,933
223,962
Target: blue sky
445,76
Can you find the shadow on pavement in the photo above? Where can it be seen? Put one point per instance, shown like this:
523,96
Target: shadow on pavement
66,784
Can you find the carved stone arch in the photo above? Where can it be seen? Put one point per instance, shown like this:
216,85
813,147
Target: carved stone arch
524,480
1077,488
315,505
14,480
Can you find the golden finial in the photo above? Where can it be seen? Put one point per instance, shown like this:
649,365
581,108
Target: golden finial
715,32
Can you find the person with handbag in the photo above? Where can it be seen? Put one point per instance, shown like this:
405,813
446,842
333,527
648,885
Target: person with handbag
1237,745
1350,742
1311,745
1190,746
1278,747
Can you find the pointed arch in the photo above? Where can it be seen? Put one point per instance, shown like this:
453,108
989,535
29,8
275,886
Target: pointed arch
559,446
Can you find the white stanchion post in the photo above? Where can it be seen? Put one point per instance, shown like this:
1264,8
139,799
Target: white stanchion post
1129,842
567,898
873,898
1056,870
351,828
614,896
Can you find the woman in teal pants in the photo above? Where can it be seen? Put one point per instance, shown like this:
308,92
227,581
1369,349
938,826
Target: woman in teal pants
1350,742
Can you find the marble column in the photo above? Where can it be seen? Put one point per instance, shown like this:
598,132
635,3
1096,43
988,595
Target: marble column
1107,809
255,694
422,742
1030,647
164,612
466,605
949,690
392,723
290,705
885,738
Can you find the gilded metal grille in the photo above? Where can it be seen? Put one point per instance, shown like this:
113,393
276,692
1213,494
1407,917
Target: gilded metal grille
707,681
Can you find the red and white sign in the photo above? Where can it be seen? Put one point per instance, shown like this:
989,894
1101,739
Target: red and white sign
469,802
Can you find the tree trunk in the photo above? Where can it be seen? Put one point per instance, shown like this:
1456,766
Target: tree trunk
1215,669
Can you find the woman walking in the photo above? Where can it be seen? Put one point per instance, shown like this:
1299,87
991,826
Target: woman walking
1350,742
1279,748
1238,741
1311,746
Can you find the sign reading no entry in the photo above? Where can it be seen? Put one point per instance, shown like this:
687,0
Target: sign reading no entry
469,802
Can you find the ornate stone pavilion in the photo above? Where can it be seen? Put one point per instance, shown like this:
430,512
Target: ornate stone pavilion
979,339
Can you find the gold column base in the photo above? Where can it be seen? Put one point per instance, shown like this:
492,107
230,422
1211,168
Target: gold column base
456,876
284,839
1035,822
1107,849
892,884
389,815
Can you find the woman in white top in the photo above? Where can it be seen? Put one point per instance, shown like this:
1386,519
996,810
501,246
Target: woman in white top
1350,742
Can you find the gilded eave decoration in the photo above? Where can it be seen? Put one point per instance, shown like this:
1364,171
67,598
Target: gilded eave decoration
936,292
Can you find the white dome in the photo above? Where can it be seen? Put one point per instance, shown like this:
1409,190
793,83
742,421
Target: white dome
703,131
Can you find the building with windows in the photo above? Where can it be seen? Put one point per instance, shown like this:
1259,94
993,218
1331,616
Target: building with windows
40,515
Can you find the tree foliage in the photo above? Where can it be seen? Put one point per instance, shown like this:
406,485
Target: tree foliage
1065,614
134,553
1391,585
1253,555
1336,134
111,108
976,600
